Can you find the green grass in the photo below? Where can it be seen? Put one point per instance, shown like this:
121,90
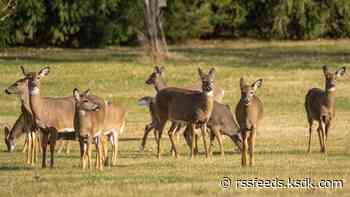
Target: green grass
289,69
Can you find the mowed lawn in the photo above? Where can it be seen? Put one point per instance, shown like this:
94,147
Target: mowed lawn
289,69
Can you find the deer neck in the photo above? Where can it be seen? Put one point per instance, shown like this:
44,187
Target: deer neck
25,102
36,103
330,97
159,85
209,101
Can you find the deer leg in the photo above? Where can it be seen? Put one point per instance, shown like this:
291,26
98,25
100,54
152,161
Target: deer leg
33,149
68,147
171,137
25,146
148,128
98,153
323,136
116,144
219,138
53,137
328,126
82,147
244,148
187,136
44,143
60,146
39,136
252,137
310,134
212,136
193,141
160,129
89,151
29,147
204,134
196,143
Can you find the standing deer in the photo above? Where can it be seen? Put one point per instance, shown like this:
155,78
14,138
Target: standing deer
249,112
94,119
25,123
51,115
320,106
190,106
156,79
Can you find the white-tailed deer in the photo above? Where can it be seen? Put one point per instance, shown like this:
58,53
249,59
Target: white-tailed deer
51,115
95,119
320,106
249,112
156,79
25,123
190,106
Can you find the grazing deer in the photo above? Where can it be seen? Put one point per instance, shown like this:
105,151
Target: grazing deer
190,106
25,123
249,112
94,119
320,106
222,122
51,115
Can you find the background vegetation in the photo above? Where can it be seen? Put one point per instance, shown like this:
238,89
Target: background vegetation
288,68
97,23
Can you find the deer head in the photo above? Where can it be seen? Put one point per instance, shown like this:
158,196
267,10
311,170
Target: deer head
248,91
207,81
20,86
155,76
331,78
34,80
83,103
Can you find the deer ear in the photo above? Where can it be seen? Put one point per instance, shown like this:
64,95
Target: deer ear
257,84
241,83
44,71
7,132
24,72
340,71
76,94
200,72
325,69
87,92
212,73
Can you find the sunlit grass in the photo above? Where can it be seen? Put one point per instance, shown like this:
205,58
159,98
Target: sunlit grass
289,69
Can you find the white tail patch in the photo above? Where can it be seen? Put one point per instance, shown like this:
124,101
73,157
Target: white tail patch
143,102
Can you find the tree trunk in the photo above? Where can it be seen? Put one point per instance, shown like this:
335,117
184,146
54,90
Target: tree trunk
157,45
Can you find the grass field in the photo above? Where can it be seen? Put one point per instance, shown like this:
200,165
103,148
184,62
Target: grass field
289,69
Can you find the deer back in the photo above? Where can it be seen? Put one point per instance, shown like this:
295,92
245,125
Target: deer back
222,119
115,116
184,105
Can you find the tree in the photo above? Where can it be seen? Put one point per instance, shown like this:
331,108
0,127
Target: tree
153,15
7,7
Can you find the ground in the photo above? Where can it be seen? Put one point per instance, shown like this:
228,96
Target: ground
289,69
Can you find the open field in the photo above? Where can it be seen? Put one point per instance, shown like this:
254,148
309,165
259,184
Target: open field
289,69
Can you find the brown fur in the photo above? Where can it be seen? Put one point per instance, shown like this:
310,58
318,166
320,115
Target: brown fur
320,106
192,107
249,112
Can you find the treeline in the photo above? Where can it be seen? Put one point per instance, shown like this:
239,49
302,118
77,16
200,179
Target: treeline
97,23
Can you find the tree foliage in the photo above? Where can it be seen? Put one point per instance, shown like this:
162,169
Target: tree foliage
97,23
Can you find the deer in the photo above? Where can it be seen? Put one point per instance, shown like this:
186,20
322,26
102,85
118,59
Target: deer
25,122
249,113
95,119
189,106
221,122
156,79
320,106
52,116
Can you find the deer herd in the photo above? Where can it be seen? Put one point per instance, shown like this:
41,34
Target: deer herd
196,111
